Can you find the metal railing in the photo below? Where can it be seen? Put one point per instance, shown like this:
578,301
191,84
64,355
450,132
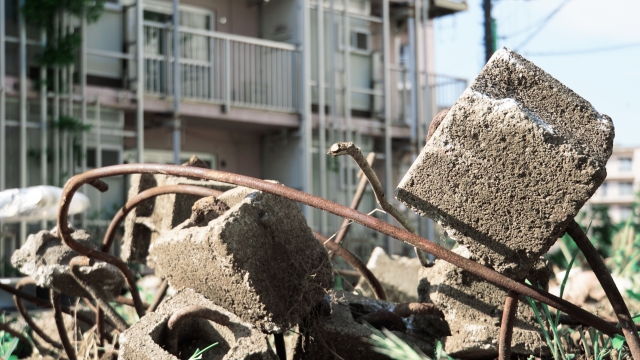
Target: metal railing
445,90
222,68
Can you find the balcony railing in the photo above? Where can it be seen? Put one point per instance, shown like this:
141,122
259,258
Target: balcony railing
222,68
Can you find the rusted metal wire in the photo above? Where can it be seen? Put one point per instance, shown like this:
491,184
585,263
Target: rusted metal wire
350,149
407,309
357,264
438,251
190,312
355,202
162,292
506,325
62,330
149,194
97,293
27,318
608,285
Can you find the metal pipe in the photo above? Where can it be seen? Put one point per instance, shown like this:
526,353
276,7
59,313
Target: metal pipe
348,165
415,80
307,142
388,176
83,105
56,109
322,126
3,102
140,81
43,122
23,109
176,82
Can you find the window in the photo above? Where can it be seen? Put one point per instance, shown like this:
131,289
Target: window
359,39
625,188
624,164
109,157
603,189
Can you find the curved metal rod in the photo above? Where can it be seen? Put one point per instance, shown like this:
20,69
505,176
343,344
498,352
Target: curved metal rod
162,292
62,330
190,312
354,261
27,318
97,293
609,286
432,248
148,194
506,326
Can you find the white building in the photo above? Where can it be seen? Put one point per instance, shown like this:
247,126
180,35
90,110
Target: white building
623,178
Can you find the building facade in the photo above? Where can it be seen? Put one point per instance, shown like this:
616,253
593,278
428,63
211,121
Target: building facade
260,88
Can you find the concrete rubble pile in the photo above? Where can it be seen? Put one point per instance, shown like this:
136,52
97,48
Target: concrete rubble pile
506,171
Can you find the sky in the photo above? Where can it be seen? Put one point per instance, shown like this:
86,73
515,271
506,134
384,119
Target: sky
608,78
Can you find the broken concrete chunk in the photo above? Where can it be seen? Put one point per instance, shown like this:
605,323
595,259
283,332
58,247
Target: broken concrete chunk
238,341
259,259
154,217
511,164
473,309
46,259
398,276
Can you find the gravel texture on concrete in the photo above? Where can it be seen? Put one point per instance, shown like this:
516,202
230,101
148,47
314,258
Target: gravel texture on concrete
398,276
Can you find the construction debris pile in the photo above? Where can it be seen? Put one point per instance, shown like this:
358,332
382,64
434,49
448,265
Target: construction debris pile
505,172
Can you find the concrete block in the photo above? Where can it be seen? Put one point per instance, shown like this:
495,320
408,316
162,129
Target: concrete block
155,217
259,259
238,341
511,164
473,311
398,275
46,259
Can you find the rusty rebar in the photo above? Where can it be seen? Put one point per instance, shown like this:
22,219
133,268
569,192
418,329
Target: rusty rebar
432,248
96,293
348,148
609,286
62,329
27,318
354,261
506,325
149,194
190,312
407,309
162,292
355,202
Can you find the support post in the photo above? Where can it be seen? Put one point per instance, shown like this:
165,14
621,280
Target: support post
22,30
176,82
140,80
43,122
322,126
83,106
3,103
306,142
347,95
388,176
415,78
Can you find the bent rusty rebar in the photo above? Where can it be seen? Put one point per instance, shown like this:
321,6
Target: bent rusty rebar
354,261
17,300
148,194
162,292
609,286
62,330
506,325
190,312
432,248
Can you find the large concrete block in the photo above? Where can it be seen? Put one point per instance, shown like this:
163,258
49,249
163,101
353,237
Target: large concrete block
46,259
473,309
154,217
147,338
259,259
511,164
398,276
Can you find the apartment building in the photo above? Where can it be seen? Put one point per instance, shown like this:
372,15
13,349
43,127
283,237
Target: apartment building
619,189
260,88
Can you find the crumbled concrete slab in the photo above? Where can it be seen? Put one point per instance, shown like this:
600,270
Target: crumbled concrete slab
398,276
511,164
238,341
259,259
46,259
335,332
473,309
155,217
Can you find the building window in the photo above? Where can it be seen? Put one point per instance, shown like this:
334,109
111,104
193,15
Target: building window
624,164
603,189
625,188
625,212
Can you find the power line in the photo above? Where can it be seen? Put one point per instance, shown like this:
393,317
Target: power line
543,23
584,51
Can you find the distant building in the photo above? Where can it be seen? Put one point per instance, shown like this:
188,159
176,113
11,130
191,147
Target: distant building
623,178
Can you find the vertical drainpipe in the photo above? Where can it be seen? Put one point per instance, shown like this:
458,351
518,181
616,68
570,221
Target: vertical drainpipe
306,106
322,126
386,41
23,111
83,105
140,81
176,82
43,122
3,104
347,96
